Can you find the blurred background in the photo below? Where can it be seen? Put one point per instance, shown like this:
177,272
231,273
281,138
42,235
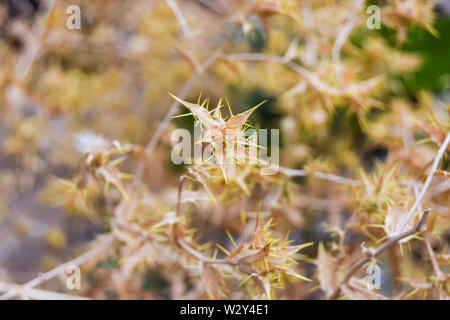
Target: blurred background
113,77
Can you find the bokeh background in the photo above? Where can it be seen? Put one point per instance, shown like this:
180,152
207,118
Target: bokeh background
113,77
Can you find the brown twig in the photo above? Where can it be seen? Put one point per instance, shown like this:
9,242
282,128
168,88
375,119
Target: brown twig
59,270
185,246
180,17
34,43
434,167
38,294
437,270
311,77
370,255
320,175
342,37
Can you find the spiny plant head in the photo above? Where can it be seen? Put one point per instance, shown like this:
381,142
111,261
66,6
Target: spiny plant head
229,147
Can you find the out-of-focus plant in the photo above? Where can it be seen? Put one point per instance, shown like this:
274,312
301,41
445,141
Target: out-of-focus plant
361,158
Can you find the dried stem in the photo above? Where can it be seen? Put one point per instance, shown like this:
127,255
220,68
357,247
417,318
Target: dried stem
318,174
60,269
180,17
311,77
38,294
342,37
33,47
390,242
434,167
437,271
180,241
311,42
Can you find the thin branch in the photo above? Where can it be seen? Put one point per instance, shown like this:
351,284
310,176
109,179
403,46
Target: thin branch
60,269
311,77
342,37
311,43
321,175
437,270
34,43
339,43
370,255
38,294
144,235
180,17
427,184
180,241
210,5
354,285
194,253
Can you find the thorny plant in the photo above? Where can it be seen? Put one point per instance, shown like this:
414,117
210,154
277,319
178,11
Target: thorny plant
168,227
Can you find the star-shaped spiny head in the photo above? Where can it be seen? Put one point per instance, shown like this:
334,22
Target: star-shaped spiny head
226,137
